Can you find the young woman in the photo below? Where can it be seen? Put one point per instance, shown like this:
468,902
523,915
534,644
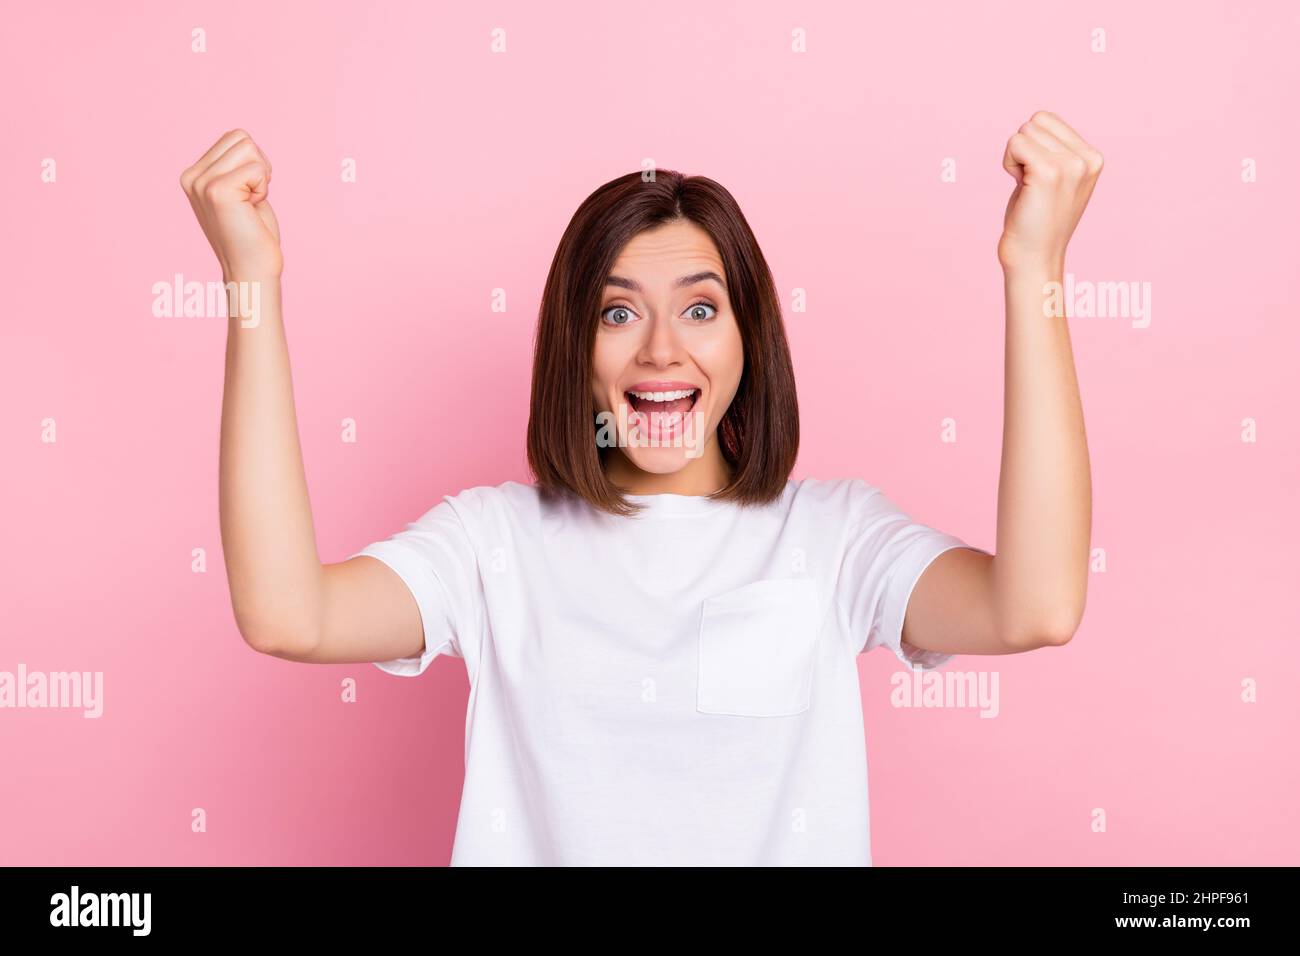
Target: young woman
661,633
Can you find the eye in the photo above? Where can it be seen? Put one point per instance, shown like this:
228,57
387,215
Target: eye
693,310
617,315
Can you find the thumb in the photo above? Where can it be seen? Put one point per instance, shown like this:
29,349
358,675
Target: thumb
247,183
1013,165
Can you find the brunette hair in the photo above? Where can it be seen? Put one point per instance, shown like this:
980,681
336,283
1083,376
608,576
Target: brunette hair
759,433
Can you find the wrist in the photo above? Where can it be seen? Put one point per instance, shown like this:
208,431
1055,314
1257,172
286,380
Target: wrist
249,295
1030,262
251,277
1036,271
1034,287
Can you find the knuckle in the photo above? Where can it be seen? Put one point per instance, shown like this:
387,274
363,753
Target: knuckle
1039,116
1024,128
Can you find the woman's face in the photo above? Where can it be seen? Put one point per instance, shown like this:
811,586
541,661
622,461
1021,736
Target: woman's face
667,361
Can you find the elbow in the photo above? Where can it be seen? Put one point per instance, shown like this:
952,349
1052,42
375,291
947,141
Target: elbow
1058,633
1051,629
278,635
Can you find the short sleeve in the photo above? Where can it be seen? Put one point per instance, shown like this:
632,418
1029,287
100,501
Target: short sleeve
434,555
886,553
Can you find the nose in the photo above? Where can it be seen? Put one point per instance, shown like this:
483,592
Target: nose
661,347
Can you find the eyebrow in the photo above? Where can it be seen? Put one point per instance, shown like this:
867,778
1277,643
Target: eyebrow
691,279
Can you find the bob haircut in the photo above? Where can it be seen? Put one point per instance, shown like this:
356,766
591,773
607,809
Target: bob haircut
759,433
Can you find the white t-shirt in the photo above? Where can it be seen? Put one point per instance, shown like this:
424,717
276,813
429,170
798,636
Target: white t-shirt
678,688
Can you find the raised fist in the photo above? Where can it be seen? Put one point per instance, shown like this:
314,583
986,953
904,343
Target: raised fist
228,187
1055,172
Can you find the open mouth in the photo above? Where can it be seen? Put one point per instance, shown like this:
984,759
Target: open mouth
679,401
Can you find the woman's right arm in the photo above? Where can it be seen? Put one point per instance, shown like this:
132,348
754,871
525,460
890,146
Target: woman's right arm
286,602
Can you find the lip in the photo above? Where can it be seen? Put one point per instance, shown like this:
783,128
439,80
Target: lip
658,385
663,385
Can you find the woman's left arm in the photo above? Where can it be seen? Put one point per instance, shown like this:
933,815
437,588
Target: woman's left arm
1032,592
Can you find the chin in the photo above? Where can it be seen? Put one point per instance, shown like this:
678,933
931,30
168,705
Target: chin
658,461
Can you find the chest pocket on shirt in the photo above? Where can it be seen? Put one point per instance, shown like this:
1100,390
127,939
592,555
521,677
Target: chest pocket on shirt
757,646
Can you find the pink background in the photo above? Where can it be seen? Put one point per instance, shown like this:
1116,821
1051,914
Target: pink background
469,166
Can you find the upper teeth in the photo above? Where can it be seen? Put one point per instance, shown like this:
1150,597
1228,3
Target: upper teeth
664,396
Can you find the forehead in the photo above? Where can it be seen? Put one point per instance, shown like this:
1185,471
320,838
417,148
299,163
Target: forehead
676,248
